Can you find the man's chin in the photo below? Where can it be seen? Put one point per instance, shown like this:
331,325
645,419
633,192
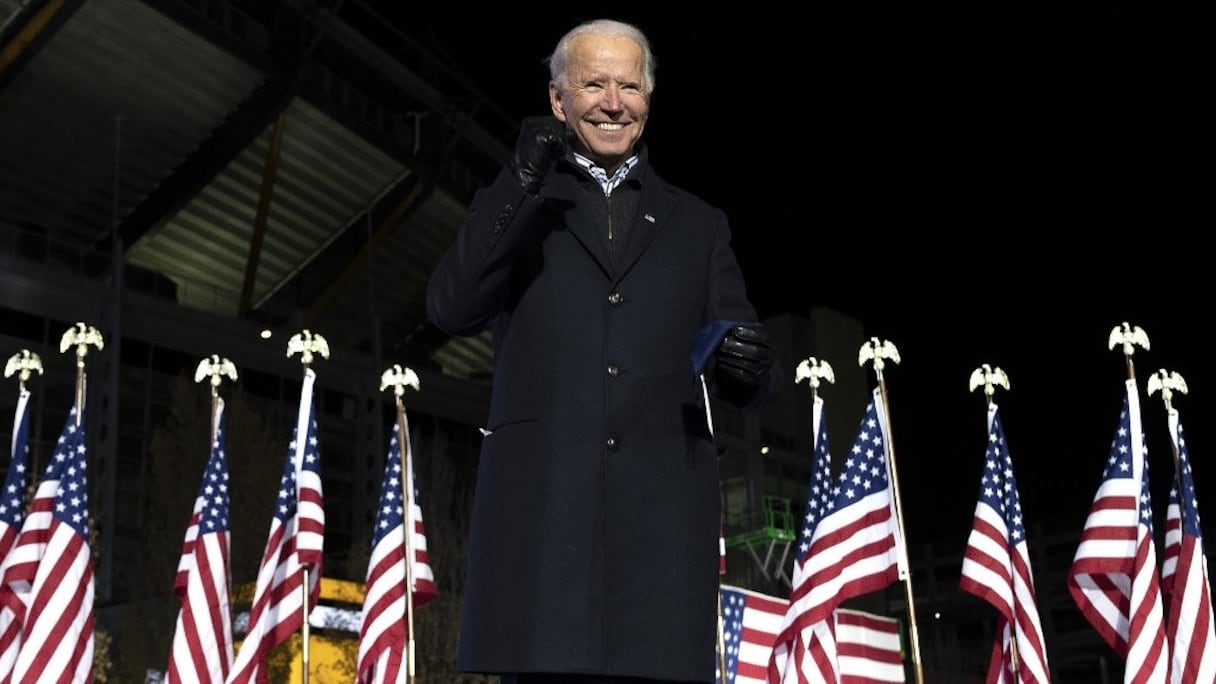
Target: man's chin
616,152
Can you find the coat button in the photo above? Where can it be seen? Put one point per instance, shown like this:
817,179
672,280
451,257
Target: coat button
614,370
501,220
612,444
615,299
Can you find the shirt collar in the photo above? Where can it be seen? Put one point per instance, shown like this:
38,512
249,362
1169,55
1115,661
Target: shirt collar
601,176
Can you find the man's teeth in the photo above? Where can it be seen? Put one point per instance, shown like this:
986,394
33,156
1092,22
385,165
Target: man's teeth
609,126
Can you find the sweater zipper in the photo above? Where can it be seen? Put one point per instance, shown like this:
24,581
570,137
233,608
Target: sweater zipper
608,199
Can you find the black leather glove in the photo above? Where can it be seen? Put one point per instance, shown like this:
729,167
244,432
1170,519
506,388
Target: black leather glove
542,141
746,354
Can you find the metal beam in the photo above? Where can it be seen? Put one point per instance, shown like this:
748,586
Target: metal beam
307,282
337,285
259,223
232,136
227,141
385,64
28,31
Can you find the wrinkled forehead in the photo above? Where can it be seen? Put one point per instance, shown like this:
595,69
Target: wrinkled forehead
606,58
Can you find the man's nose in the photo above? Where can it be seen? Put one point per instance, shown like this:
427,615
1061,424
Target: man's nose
612,99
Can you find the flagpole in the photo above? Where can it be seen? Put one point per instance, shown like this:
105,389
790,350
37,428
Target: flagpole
1167,383
989,377
814,371
306,343
1128,336
80,336
877,352
709,423
407,531
24,363
398,377
216,368
721,636
212,369
215,409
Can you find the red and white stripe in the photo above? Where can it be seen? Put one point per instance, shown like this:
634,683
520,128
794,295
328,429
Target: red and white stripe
868,645
383,634
50,575
12,517
201,652
869,650
1113,578
856,548
996,568
293,550
1189,625
806,653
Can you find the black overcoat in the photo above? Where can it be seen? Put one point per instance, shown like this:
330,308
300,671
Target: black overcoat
594,538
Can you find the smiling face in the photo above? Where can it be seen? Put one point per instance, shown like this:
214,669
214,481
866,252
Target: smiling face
604,100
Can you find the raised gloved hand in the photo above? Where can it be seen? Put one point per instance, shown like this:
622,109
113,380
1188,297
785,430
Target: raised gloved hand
746,354
542,141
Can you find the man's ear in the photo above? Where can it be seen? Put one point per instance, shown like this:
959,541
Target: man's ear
555,102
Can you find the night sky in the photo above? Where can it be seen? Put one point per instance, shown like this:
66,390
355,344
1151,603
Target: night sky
976,186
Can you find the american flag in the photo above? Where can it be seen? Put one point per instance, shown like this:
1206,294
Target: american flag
751,621
202,641
805,651
869,644
721,551
50,572
869,648
12,503
855,547
383,634
1184,576
12,515
294,545
996,568
1113,578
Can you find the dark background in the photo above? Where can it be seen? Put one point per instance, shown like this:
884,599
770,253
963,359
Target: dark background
977,185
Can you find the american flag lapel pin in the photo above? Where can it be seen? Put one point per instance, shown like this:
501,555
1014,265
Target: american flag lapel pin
648,217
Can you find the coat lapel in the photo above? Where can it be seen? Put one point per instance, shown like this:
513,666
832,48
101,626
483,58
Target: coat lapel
655,206
566,200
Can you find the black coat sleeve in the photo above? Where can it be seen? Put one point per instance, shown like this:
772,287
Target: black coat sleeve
469,283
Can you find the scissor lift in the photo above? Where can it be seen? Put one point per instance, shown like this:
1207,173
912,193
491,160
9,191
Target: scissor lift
767,536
